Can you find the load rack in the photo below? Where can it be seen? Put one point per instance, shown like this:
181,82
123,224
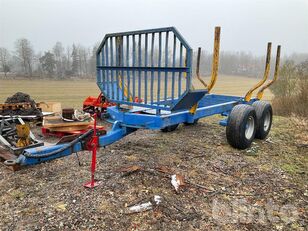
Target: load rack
156,66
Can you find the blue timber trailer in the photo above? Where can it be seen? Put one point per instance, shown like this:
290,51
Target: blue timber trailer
155,67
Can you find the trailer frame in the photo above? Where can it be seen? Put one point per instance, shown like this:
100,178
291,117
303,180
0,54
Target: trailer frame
164,105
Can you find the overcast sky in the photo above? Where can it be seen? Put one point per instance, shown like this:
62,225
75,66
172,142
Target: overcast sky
247,25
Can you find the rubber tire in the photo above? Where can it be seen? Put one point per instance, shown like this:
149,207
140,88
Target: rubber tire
170,128
262,107
193,123
236,127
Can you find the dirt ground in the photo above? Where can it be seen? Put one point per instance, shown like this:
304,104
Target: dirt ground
262,188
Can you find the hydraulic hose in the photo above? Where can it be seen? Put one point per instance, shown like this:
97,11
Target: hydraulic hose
69,145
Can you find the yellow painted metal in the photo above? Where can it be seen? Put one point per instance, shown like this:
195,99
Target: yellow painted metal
198,68
265,76
23,134
214,66
261,91
126,92
215,59
193,109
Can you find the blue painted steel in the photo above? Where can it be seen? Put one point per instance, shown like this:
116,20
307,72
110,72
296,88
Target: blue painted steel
223,122
146,73
116,133
126,122
158,111
141,69
166,65
139,65
152,65
173,65
180,74
23,160
210,104
111,63
188,100
134,65
127,64
161,51
114,87
159,65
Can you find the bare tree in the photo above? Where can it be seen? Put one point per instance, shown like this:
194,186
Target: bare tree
83,60
92,60
4,60
68,71
58,51
25,53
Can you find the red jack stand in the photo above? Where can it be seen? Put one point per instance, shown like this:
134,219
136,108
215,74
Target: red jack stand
93,145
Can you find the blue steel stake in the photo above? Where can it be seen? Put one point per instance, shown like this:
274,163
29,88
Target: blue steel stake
166,65
180,73
111,63
152,65
134,64
173,65
146,73
159,65
139,64
107,71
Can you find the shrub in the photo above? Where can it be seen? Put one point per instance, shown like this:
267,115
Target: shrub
291,90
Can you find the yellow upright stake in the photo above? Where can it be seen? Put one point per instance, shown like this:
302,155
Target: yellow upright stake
265,76
214,66
261,91
198,68
215,59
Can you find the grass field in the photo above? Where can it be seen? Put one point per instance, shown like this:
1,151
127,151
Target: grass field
71,93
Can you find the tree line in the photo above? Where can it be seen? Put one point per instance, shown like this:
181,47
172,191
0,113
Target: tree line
58,62
79,61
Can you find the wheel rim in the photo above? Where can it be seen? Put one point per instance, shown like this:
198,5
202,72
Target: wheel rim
250,126
267,121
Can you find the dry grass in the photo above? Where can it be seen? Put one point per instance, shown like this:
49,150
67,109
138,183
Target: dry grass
71,93
234,85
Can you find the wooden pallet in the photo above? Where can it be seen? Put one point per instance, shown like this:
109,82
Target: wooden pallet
14,106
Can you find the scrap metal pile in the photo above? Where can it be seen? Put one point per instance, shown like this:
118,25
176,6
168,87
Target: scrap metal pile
20,110
15,135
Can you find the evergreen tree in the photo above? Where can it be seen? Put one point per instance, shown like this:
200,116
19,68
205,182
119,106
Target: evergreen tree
75,63
48,63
